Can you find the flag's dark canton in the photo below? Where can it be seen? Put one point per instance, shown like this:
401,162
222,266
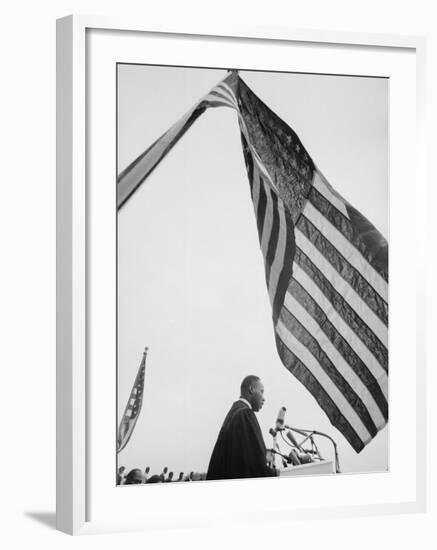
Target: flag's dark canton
280,150
279,236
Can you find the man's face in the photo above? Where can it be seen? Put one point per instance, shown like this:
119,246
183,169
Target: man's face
257,395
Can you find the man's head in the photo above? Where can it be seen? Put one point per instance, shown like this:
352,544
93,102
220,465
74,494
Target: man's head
252,389
134,477
154,479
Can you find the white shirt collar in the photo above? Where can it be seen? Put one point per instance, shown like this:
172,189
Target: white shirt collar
245,401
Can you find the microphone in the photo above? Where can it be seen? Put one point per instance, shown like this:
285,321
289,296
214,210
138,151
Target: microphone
280,420
293,458
292,439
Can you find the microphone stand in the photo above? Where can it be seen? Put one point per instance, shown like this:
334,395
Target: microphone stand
284,457
274,434
309,435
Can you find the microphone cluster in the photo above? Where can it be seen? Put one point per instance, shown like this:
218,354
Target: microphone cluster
298,454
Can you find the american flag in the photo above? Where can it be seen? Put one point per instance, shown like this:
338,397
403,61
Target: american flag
133,407
326,266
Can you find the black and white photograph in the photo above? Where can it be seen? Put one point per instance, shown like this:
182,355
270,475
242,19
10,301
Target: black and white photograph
218,265
252,274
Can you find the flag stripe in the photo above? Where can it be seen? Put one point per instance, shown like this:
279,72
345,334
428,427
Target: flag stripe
248,159
254,188
323,187
273,238
337,360
308,371
218,98
344,340
347,250
285,268
132,177
348,293
227,94
344,269
328,376
345,227
327,404
261,207
219,103
339,304
277,242
217,92
269,216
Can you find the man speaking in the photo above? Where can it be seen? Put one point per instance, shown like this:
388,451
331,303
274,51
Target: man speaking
240,450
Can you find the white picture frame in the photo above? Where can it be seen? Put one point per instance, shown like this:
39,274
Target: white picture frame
78,489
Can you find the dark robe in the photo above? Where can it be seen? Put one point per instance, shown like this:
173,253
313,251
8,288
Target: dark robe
240,450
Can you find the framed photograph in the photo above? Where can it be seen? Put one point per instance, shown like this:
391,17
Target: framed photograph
236,319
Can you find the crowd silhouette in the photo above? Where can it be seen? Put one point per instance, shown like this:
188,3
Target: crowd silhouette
136,476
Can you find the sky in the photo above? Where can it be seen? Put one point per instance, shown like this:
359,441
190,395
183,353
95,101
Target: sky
191,281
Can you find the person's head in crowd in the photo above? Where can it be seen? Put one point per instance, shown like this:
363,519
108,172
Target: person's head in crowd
252,390
134,477
181,476
120,473
154,479
147,470
170,477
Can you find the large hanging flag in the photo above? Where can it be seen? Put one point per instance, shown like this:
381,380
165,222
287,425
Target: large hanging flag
326,266
133,407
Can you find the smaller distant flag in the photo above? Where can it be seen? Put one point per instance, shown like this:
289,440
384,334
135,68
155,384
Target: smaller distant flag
133,407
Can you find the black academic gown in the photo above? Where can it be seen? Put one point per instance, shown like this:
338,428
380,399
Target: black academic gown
240,450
